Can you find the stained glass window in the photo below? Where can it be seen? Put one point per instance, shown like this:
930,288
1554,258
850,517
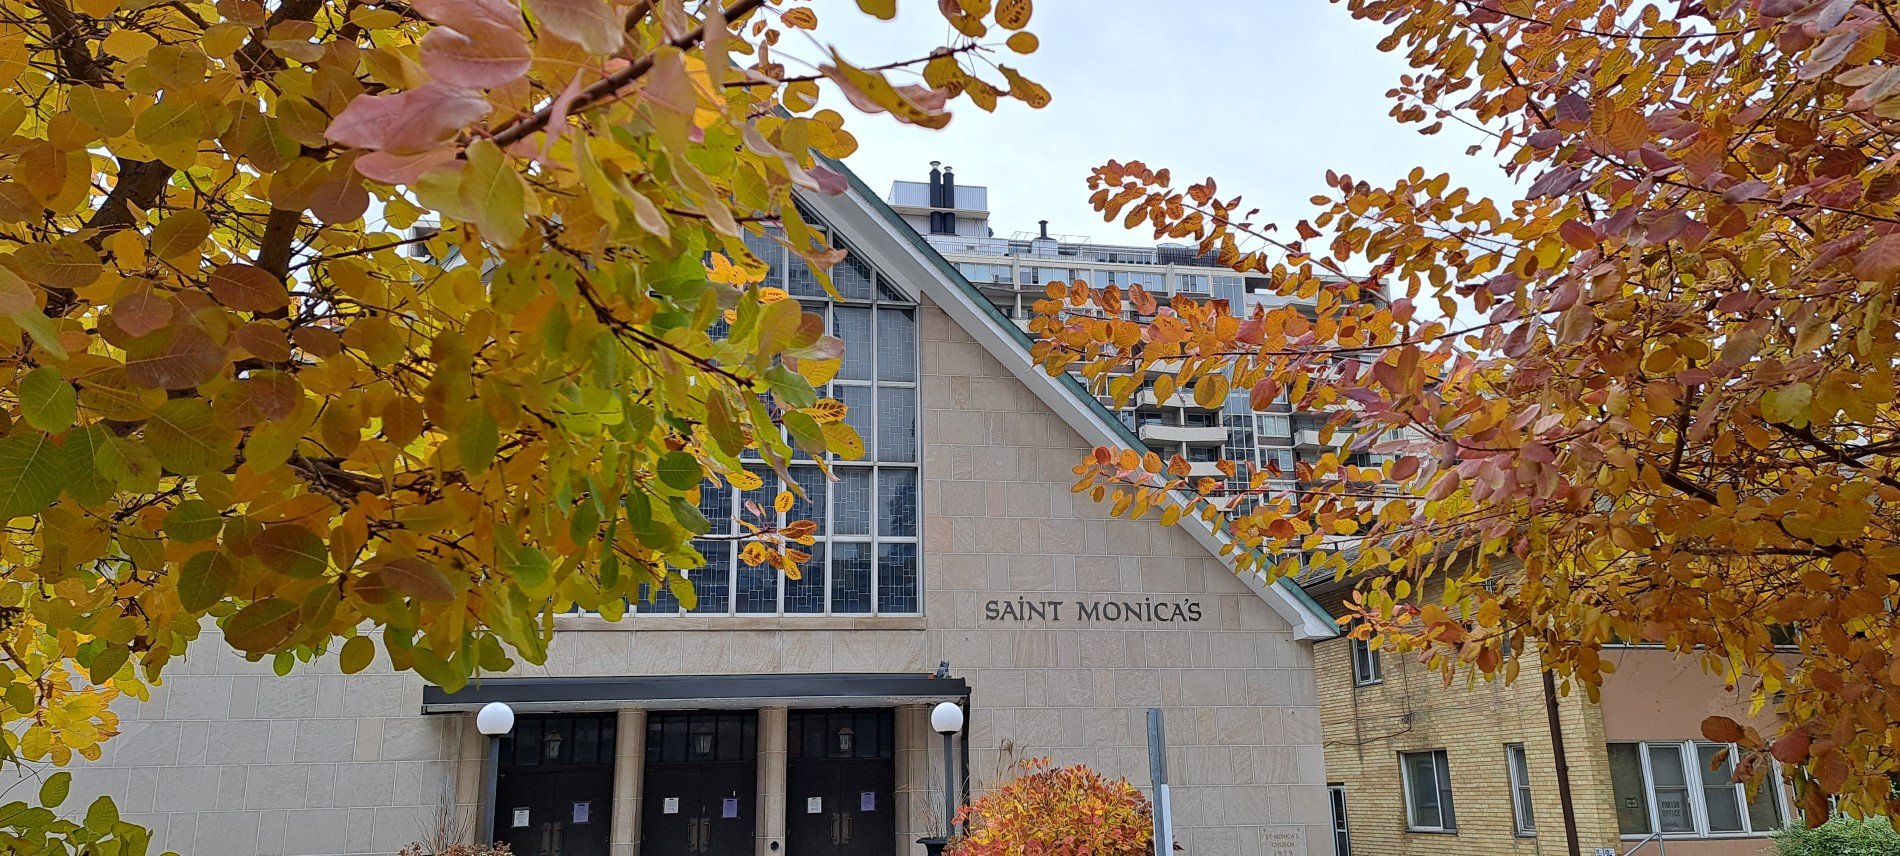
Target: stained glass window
865,560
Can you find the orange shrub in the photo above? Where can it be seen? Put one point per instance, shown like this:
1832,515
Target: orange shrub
1066,811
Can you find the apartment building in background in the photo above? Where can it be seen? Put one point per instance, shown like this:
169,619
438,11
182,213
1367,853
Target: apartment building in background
1014,272
1418,768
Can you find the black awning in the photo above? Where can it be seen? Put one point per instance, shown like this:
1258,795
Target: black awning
676,692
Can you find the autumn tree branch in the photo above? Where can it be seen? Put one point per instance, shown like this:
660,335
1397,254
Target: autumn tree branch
519,129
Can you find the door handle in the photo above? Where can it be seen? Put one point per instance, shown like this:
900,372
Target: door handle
847,826
557,838
547,840
837,827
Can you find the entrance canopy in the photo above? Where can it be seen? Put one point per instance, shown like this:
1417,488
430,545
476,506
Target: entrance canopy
696,692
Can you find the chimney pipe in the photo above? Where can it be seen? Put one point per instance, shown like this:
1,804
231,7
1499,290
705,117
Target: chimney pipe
936,185
949,188
1045,228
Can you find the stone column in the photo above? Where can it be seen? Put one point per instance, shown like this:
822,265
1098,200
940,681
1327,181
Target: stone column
471,776
771,805
630,759
916,804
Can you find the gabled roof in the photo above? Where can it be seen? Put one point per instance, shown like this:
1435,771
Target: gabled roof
880,233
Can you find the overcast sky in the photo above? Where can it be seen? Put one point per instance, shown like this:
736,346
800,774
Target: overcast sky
1264,95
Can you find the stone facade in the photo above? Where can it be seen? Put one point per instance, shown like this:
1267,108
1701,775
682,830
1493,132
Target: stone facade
230,760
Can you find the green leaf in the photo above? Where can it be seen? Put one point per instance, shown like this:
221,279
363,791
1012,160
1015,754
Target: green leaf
682,589
680,471
193,520
102,816
262,625
778,324
689,516
205,579
358,652
53,791
720,424
1787,405
292,550
127,464
493,194
806,432
79,455
792,389
42,330
478,440
530,567
47,401
30,474
107,662
185,439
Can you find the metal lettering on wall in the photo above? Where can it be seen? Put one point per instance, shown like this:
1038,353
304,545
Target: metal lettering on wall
1144,610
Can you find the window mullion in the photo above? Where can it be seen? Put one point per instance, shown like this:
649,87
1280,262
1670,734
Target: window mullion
1698,795
1649,789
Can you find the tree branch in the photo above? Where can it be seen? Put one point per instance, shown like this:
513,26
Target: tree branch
519,129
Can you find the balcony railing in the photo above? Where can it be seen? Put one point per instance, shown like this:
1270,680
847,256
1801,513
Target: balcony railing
1193,435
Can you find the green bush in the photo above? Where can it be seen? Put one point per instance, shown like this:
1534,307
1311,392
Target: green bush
1842,836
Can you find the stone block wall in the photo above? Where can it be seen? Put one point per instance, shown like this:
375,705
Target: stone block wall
230,760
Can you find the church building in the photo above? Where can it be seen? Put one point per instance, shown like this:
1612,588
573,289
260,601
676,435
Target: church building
787,717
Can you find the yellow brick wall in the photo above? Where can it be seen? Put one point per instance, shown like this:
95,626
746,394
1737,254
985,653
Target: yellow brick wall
1365,729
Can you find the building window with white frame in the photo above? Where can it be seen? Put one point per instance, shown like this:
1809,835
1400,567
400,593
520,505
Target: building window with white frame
1427,780
1366,668
866,560
1683,790
1523,820
1342,837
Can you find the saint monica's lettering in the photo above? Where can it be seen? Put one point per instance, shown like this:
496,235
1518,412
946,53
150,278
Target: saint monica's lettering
1144,610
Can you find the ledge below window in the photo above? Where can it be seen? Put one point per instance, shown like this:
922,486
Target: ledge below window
728,623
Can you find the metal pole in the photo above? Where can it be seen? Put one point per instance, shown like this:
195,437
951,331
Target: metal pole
1563,765
949,788
487,831
1158,772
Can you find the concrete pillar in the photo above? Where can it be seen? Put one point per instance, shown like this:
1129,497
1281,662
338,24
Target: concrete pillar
471,776
919,809
630,759
771,806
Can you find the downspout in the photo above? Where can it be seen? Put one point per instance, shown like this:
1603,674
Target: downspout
1563,763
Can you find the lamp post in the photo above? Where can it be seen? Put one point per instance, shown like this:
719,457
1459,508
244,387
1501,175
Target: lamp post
947,720
494,720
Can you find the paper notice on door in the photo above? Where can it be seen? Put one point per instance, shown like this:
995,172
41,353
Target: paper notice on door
728,808
581,811
867,801
521,818
670,805
814,805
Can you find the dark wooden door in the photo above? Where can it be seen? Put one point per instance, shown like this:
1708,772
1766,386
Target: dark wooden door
840,779
555,791
701,791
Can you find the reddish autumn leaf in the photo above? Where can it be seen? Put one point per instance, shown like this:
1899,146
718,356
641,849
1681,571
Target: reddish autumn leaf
407,122
248,288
